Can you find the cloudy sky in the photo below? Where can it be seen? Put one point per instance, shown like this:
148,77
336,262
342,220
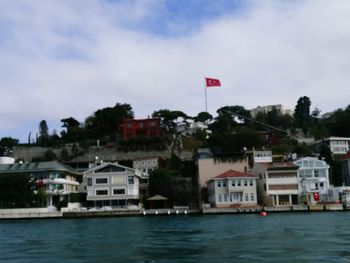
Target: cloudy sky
69,58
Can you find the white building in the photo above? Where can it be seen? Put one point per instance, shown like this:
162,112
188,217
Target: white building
145,165
56,180
268,108
313,180
277,183
111,184
232,189
338,145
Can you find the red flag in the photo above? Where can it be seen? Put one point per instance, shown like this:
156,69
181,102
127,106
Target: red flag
212,82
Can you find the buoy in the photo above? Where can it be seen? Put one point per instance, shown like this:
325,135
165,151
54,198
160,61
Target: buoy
263,213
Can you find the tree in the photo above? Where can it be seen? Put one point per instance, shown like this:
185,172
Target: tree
203,117
16,190
169,119
302,112
338,123
106,121
43,133
73,130
160,182
6,145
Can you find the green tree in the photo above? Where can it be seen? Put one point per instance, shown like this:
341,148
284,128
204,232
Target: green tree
6,145
160,182
169,119
73,132
16,190
43,133
105,122
203,117
302,112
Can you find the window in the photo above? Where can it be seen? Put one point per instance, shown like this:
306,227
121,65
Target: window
101,181
316,173
131,180
252,197
119,179
142,125
238,182
246,197
321,185
119,191
225,197
89,182
219,184
101,192
220,198
251,182
129,125
245,183
224,183
264,187
233,182
110,169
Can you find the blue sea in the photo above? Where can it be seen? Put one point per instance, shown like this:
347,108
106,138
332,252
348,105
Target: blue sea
284,237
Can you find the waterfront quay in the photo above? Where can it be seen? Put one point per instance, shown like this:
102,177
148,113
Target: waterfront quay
85,213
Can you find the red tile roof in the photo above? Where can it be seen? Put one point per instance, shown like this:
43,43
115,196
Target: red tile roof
232,173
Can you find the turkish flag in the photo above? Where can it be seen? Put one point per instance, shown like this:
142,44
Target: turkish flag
212,82
316,196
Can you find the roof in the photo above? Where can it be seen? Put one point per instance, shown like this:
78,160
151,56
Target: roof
36,167
157,198
135,171
280,166
233,173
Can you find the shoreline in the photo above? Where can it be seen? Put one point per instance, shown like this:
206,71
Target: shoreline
41,213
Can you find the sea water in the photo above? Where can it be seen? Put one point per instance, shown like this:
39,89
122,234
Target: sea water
284,237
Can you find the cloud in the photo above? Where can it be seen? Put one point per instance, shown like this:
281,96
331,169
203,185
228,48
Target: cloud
70,58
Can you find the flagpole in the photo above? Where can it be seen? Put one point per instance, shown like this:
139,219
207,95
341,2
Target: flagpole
205,92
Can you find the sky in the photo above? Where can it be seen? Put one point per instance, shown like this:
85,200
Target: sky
63,58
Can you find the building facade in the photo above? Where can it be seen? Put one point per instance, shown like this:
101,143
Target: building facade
232,189
145,165
57,180
313,180
208,168
345,168
277,183
113,185
268,108
132,128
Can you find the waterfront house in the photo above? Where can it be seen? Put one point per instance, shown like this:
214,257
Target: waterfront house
232,189
57,179
208,167
313,180
114,185
277,183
